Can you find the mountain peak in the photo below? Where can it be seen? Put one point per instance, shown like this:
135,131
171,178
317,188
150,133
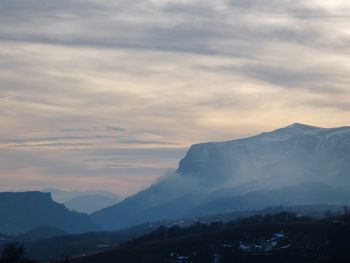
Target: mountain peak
290,131
302,126
295,129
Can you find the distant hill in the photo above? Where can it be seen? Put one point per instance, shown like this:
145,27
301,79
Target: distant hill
84,201
90,203
74,245
62,196
39,233
295,165
25,211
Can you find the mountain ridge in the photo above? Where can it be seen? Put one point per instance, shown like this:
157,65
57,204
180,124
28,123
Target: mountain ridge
297,154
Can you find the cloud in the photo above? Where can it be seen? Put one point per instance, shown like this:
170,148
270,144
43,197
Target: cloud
83,83
108,136
107,128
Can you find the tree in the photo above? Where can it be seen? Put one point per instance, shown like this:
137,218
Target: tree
65,259
345,210
12,253
328,213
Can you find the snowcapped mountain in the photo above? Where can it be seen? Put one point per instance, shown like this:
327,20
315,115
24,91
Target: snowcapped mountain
294,154
255,172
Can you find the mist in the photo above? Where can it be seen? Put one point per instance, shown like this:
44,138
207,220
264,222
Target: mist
293,165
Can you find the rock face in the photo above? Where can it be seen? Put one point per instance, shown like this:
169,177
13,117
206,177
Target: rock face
22,212
268,169
297,152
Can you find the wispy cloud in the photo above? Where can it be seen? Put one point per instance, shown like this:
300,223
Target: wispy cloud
156,76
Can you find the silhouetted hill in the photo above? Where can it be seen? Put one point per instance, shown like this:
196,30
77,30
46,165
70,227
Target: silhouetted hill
39,233
80,244
294,165
276,238
73,245
22,212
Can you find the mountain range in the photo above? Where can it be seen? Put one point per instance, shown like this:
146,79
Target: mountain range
295,165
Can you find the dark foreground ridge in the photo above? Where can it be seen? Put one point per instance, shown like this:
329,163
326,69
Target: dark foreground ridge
283,237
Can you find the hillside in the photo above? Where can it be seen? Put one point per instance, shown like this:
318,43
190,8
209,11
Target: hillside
294,165
25,211
45,243
278,238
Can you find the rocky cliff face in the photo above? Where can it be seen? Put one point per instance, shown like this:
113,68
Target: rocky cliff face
250,173
296,153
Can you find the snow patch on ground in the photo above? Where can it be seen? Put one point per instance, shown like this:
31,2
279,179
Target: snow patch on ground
264,244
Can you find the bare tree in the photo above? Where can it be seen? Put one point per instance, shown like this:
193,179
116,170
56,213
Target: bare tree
12,253
328,213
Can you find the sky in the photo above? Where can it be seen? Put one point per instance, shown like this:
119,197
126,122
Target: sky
108,95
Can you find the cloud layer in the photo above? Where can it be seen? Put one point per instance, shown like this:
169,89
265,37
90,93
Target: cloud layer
108,94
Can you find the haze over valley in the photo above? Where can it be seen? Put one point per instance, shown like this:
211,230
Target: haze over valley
178,131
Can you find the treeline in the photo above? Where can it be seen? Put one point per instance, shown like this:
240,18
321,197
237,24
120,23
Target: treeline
14,253
282,217
165,232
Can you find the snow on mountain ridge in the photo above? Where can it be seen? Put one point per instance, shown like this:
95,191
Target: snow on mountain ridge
293,130
290,131
288,150
297,164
